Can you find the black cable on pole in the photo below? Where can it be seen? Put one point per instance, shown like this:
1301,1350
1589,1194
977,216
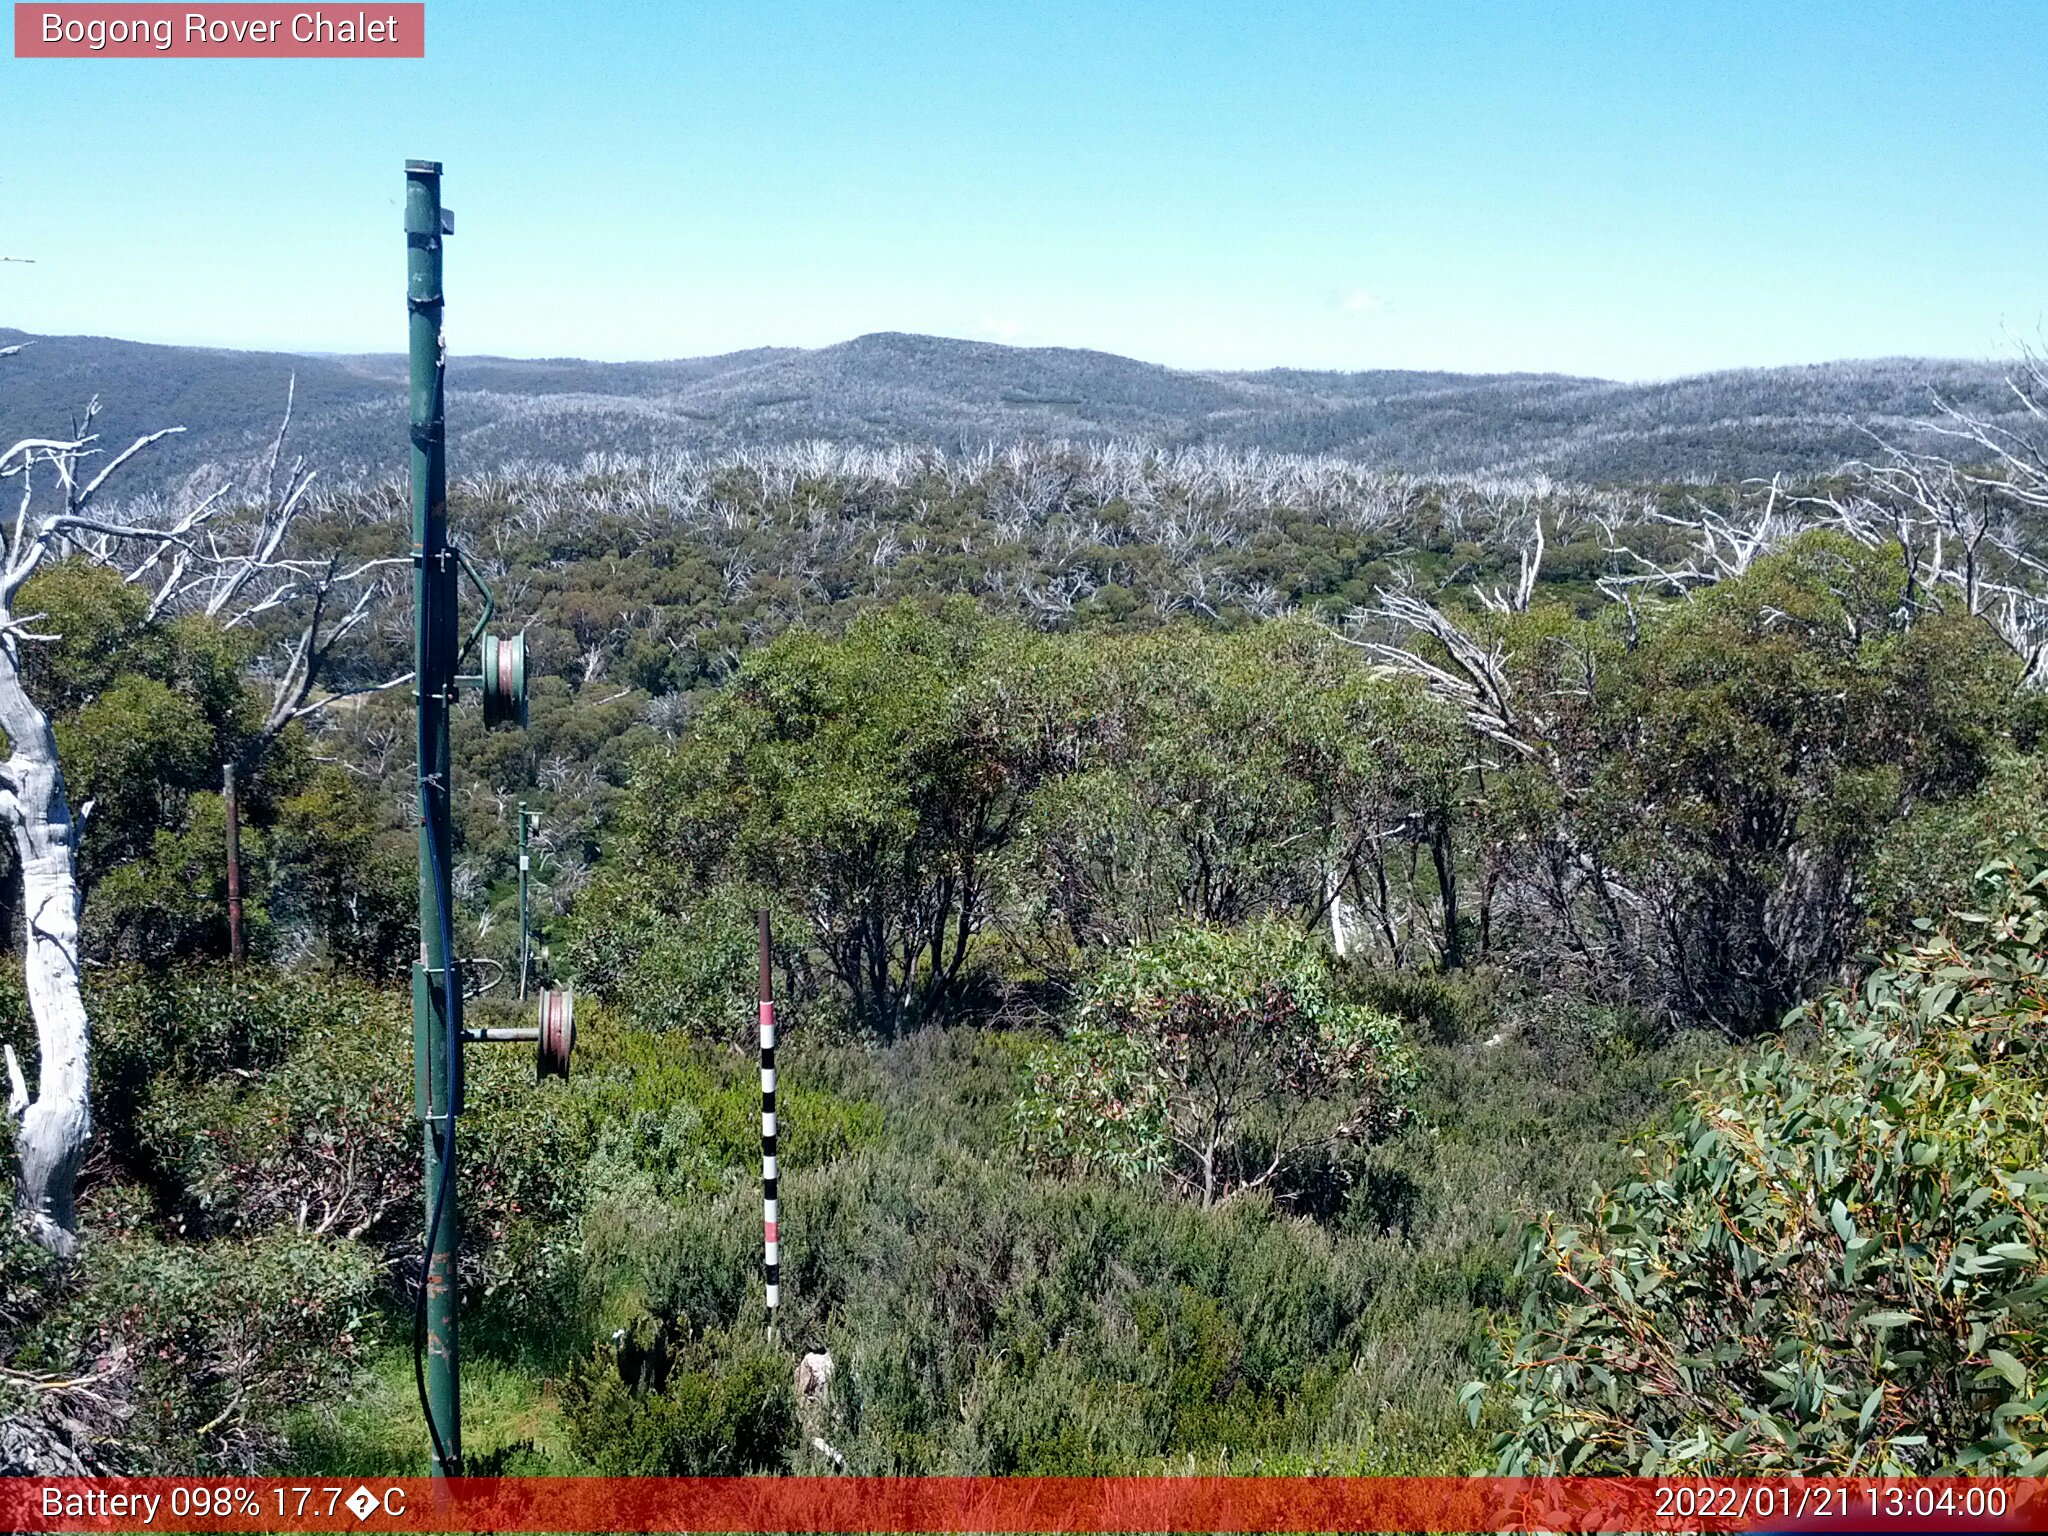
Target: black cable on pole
445,1182
771,1226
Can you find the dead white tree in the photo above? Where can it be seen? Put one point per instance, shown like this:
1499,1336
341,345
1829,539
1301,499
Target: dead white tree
1723,546
1457,667
1531,558
196,560
247,576
1967,521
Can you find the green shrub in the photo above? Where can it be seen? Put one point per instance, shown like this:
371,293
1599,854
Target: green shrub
194,1026
719,1404
1926,864
685,1114
990,1320
525,1150
1225,1057
325,1142
668,964
1442,1009
700,1258
1094,1106
214,1343
1833,1261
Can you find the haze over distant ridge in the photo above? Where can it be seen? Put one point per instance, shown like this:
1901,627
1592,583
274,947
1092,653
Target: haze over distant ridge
890,387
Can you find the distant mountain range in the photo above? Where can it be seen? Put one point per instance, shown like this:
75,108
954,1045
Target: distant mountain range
891,387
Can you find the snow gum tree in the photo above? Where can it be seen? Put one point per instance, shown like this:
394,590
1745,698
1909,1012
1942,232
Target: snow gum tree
56,1121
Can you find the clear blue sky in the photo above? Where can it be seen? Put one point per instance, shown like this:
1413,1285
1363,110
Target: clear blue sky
1636,189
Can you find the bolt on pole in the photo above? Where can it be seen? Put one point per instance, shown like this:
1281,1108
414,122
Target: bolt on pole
437,993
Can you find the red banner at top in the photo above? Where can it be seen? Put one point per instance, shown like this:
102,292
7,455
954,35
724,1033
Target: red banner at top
234,31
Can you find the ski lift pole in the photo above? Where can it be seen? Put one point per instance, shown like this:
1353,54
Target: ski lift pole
437,1033
436,990
770,1227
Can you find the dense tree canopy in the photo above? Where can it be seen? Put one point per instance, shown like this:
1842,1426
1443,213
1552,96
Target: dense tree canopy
1831,1260
148,711
1717,774
1695,827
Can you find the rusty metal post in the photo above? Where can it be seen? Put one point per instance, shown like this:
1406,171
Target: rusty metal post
436,990
237,948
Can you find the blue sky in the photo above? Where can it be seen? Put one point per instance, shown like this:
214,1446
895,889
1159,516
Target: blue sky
1636,189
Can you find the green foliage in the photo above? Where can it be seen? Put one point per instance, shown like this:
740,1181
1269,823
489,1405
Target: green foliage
191,1026
210,1346
145,710
959,798
670,963
718,1404
664,1096
238,1332
103,622
511,1421
881,775
993,1321
324,1142
989,1317
1926,864
328,883
1094,1105
973,813
1222,778
1735,766
252,1103
1445,1009
30,1275
1832,1261
146,713
956,817
1250,1062
1082,1326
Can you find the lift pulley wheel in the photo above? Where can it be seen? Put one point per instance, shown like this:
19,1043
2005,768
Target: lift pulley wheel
504,680
557,1032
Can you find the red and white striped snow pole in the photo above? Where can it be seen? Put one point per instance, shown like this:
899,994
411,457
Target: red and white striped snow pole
770,1244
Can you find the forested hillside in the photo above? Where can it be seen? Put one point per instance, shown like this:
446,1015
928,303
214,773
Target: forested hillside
889,390
1261,939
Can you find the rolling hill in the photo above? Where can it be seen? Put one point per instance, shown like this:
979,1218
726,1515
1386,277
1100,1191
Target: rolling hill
891,387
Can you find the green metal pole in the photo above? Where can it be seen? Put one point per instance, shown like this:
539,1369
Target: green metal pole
525,945
437,1061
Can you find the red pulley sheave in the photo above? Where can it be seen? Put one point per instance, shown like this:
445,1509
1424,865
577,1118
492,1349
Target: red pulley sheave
504,680
557,1032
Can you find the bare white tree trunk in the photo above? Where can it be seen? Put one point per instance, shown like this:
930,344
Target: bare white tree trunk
1340,920
56,1123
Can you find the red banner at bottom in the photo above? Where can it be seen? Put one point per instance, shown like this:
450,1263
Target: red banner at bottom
949,1504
